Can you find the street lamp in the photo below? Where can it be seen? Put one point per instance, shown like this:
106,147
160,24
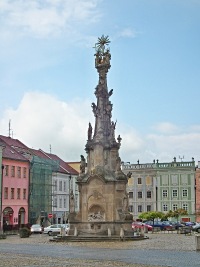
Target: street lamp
70,177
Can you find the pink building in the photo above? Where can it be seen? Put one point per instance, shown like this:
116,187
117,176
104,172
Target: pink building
15,187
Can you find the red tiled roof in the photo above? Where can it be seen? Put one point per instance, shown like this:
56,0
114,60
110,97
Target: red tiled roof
22,149
12,142
64,167
11,153
17,145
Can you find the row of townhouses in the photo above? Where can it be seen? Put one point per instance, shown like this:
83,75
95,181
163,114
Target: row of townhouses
163,187
36,187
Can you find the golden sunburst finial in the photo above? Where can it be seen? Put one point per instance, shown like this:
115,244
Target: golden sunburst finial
102,41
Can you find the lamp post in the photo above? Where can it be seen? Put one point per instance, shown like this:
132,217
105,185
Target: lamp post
69,194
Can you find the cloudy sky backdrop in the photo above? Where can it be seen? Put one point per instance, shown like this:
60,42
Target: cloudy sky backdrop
48,77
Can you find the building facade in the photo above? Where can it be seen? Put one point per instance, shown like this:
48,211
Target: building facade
162,187
36,186
141,188
60,184
15,189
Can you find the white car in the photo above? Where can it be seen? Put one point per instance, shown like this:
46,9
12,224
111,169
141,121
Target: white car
56,229
36,228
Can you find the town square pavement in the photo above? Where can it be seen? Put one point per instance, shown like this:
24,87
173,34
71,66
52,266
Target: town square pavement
161,249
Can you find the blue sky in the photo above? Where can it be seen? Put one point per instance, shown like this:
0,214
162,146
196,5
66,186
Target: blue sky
47,74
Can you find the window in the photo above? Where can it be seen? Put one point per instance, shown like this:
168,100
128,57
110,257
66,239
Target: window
139,180
60,203
5,192
18,193
130,194
65,203
174,193
60,185
165,207
139,208
6,170
24,193
185,207
19,172
148,194
55,203
139,194
55,186
185,192
165,193
131,208
24,172
12,193
64,186
148,207
13,171
175,207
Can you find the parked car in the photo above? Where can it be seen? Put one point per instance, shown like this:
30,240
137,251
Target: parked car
188,223
56,228
162,225
137,225
36,228
196,227
141,225
149,227
177,225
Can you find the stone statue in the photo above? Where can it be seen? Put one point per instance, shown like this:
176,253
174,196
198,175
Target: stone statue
89,131
112,131
94,108
125,203
83,165
71,202
118,165
129,174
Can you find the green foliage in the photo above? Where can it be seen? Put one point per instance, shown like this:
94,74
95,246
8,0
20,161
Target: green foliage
176,213
151,215
24,232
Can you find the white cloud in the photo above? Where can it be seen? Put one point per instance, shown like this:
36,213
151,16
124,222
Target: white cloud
168,146
42,120
166,128
48,17
128,32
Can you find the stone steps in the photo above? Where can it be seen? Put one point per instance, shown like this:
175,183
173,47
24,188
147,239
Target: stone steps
60,238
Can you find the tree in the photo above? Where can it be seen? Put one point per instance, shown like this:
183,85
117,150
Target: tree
176,213
151,215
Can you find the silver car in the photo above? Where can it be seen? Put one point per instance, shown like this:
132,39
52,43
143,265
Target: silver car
56,229
36,228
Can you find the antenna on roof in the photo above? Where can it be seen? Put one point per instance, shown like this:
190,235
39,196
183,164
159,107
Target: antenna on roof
9,128
181,158
50,148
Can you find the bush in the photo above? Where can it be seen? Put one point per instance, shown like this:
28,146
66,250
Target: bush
24,232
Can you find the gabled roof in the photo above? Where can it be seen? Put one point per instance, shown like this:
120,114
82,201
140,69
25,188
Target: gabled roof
63,166
13,142
17,145
11,153
22,151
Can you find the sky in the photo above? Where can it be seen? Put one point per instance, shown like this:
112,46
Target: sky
48,75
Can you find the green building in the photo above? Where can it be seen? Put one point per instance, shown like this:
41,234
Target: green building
161,187
40,189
